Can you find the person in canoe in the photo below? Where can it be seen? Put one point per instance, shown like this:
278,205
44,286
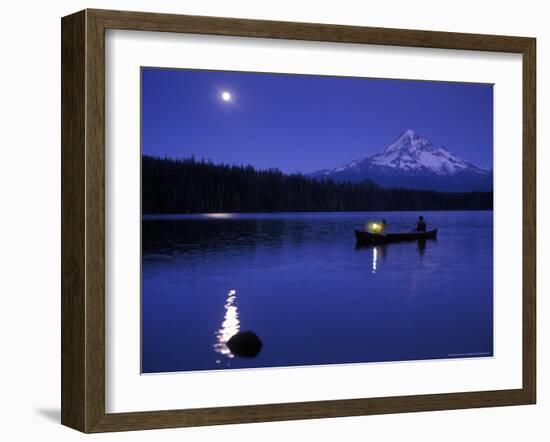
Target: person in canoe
375,233
420,224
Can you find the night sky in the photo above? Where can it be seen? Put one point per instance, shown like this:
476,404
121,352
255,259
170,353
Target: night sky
306,123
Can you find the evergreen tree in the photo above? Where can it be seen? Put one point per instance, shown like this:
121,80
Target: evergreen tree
191,186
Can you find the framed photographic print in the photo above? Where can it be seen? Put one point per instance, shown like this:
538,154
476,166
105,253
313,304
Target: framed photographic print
269,220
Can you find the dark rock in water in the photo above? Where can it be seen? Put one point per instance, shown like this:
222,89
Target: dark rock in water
246,344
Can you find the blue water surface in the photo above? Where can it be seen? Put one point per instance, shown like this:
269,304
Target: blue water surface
300,283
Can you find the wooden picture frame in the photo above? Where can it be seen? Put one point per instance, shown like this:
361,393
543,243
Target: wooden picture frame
83,220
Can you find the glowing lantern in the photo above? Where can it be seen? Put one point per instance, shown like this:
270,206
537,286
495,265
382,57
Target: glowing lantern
374,227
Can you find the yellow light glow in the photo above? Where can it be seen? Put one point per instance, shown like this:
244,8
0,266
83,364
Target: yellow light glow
373,227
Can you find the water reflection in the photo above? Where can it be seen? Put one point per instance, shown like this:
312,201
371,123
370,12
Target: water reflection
229,327
421,246
220,215
214,233
379,252
310,277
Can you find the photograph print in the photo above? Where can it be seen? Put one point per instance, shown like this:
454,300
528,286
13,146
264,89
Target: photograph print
303,220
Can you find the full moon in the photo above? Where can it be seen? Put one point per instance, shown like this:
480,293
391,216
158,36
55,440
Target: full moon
226,96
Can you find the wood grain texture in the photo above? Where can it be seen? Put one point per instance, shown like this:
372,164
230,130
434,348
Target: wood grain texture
145,21
529,220
83,220
95,222
73,255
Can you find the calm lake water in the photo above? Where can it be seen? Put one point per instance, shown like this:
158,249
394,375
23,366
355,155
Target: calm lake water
300,283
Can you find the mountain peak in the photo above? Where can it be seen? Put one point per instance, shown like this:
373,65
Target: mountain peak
409,133
410,156
408,141
408,136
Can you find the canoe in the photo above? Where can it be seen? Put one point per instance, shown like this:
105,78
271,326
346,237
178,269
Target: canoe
374,238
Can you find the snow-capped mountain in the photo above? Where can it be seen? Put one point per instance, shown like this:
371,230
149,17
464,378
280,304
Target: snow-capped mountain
414,162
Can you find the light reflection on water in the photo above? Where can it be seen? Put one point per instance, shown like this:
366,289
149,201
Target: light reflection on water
309,292
229,327
220,215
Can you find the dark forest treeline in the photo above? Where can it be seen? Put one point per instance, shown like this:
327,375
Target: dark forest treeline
190,186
